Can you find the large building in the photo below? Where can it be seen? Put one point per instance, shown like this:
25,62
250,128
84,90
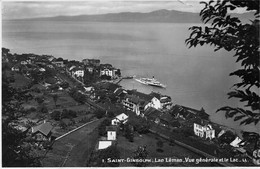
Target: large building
138,102
203,129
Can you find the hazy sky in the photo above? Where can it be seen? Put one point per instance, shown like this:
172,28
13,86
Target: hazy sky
30,9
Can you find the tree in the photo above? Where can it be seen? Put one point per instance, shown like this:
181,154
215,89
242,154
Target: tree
100,114
230,33
140,153
102,128
56,115
109,153
129,132
55,99
159,144
39,100
43,109
16,152
68,114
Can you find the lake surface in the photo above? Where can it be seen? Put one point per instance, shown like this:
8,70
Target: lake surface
196,77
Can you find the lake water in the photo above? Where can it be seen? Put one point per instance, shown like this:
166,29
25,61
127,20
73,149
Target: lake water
196,77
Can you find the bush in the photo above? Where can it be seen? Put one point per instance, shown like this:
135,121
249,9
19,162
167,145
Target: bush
111,152
110,114
44,110
32,109
99,114
68,114
64,85
39,99
159,150
56,115
102,128
129,132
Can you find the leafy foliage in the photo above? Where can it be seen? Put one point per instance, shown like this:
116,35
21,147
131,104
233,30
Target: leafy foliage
16,152
102,128
109,153
129,132
141,153
77,96
230,33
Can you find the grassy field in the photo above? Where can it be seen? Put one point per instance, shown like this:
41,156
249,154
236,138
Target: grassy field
73,150
169,151
19,80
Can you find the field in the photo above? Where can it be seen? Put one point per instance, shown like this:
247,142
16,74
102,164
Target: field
19,80
74,149
127,148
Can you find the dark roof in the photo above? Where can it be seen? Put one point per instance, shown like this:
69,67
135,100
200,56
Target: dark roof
142,96
165,99
109,86
187,111
175,123
152,113
111,128
154,94
44,128
133,99
166,117
200,121
228,137
118,91
179,109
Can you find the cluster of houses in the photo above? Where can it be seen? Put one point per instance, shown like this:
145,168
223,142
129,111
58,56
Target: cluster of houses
77,69
154,107
105,142
30,62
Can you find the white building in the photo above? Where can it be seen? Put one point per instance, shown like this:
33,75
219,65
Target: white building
155,103
25,62
121,118
90,69
78,73
237,142
108,72
103,144
111,133
204,131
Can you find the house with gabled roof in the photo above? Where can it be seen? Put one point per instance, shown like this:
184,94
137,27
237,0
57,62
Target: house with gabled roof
138,102
42,132
120,119
152,114
16,68
78,72
165,101
25,62
237,142
203,129
167,120
58,62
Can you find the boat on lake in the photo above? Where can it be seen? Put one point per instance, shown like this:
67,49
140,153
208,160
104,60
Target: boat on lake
151,82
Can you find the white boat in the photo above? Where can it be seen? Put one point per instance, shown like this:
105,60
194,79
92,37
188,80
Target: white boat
151,82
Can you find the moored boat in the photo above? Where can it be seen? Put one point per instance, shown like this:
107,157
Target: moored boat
151,82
